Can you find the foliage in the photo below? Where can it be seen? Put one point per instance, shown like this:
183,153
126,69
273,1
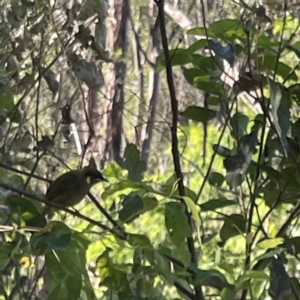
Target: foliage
229,228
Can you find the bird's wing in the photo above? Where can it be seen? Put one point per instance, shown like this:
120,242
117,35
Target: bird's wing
61,184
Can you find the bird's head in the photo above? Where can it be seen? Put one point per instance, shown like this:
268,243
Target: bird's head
93,176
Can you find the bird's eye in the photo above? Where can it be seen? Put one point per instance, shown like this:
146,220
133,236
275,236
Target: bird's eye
88,179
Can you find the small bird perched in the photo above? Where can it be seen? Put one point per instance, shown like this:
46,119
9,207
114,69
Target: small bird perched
71,187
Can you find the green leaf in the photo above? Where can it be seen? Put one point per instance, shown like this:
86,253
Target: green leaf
197,46
162,266
125,186
227,294
69,288
65,269
179,57
181,253
104,263
192,207
118,281
7,101
214,204
199,114
142,288
7,105
132,206
209,237
201,80
295,49
237,165
57,237
211,100
233,225
243,280
142,242
239,123
200,31
280,113
216,179
270,243
176,222
273,174
228,30
269,254
149,203
271,63
138,240
212,278
133,164
170,189
25,206
206,65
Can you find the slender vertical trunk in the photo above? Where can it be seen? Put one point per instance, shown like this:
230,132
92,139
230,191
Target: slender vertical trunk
117,41
154,80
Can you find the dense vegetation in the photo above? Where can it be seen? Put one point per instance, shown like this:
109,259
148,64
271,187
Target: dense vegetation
193,119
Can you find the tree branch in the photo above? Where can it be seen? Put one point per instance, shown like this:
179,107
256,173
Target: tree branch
185,291
175,151
121,235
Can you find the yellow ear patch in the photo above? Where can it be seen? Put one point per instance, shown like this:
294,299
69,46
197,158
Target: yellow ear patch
88,180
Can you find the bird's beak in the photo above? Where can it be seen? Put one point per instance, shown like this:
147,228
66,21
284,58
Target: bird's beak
100,178
104,179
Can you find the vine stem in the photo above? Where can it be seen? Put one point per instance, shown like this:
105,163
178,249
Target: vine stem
174,138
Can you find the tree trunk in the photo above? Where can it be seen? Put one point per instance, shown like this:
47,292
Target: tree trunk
117,40
154,80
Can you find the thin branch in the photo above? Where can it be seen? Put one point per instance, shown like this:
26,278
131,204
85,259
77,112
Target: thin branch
175,150
185,291
121,234
23,172
104,212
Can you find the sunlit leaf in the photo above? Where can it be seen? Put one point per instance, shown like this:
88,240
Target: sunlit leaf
228,29
270,243
138,239
176,222
215,204
192,207
199,114
280,113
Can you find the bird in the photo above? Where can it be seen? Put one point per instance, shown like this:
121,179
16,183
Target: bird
71,187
